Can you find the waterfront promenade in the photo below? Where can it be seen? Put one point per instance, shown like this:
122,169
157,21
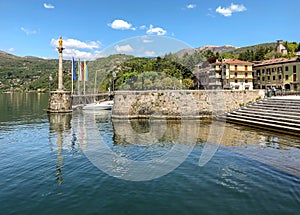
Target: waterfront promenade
278,113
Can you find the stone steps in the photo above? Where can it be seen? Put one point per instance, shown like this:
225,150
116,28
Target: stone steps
281,115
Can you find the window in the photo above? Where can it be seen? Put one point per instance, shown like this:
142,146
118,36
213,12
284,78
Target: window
286,77
286,68
268,78
263,78
263,71
279,77
246,74
258,78
246,68
295,77
235,74
294,69
274,78
235,81
246,81
235,67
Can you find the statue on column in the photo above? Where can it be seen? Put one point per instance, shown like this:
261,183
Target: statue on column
60,42
60,45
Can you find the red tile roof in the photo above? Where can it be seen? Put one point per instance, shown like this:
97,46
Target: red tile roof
275,61
234,61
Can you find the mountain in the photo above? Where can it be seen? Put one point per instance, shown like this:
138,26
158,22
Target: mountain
32,73
218,49
254,47
26,73
214,49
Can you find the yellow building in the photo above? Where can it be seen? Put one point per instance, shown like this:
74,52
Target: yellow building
235,74
281,73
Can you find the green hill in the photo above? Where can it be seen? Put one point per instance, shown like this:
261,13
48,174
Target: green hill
26,73
32,73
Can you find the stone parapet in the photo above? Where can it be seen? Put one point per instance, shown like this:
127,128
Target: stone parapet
178,104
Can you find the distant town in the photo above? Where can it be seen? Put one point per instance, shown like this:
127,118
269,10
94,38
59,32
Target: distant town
231,74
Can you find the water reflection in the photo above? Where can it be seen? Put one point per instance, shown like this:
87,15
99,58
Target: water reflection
22,107
126,148
115,146
277,150
60,123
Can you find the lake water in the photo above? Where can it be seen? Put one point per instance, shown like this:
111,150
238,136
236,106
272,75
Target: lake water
86,163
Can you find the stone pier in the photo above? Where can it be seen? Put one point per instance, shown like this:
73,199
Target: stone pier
178,104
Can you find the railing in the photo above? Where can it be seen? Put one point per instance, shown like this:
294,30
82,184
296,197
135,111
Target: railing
287,93
89,98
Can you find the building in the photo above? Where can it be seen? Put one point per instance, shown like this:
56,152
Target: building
215,77
280,48
233,74
282,73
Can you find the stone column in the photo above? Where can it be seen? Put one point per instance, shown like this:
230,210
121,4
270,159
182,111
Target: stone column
60,101
60,73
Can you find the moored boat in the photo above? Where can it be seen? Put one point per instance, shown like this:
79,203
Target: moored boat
105,105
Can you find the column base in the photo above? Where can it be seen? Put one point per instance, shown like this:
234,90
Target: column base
60,101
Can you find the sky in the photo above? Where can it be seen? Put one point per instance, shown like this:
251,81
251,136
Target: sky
98,28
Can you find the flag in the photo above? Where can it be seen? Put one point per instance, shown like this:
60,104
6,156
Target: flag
79,71
86,71
73,69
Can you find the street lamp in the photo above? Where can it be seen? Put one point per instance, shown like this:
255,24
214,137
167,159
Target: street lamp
113,80
50,80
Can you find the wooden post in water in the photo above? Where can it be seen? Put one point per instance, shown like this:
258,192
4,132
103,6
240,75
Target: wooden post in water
60,101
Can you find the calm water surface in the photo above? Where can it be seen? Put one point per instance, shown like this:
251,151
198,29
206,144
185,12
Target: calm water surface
81,163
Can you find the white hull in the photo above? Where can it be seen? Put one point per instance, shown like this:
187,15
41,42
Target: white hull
107,105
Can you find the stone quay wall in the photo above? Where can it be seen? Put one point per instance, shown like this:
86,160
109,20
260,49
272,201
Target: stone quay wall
178,104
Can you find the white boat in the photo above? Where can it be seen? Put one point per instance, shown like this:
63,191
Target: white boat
106,105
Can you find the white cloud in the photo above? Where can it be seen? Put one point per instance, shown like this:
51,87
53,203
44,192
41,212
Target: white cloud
77,54
191,6
76,44
158,31
28,31
48,6
143,27
149,53
147,41
11,49
126,48
78,49
119,24
227,11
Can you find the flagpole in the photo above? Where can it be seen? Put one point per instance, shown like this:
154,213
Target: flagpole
72,76
72,85
79,75
84,70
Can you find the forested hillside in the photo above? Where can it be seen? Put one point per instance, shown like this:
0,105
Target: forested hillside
175,69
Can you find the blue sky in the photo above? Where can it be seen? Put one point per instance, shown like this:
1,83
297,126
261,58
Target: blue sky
95,28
